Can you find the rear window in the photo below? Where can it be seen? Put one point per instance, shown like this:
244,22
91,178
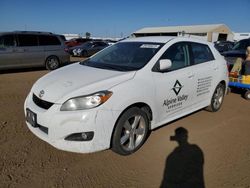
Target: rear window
27,40
45,40
201,53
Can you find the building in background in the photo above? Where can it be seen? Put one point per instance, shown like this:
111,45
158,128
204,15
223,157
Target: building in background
240,36
211,33
71,36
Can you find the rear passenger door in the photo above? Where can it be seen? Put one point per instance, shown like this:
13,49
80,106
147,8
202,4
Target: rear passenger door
205,70
32,54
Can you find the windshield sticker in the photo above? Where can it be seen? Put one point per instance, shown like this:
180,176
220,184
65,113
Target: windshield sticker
150,46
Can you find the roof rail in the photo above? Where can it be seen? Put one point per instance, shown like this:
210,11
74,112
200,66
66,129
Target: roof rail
38,32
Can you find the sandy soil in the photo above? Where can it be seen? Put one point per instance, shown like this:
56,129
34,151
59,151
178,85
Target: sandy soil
26,161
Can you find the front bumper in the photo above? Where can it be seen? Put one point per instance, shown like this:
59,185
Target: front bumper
62,124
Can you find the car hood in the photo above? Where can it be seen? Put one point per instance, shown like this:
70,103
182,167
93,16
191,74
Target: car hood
77,80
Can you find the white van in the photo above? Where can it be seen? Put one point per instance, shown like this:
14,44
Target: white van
114,98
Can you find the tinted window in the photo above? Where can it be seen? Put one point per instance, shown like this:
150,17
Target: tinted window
46,40
99,44
201,53
7,40
178,54
241,45
124,56
27,40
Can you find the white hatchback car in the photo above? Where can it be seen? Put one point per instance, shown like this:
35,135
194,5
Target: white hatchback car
114,98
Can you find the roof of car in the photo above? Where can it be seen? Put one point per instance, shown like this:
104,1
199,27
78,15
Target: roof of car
27,32
157,39
164,39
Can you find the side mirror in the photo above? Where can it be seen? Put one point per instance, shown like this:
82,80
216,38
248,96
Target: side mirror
164,64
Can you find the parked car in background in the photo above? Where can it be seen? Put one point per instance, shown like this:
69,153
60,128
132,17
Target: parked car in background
22,49
239,50
116,97
223,46
110,42
76,42
88,48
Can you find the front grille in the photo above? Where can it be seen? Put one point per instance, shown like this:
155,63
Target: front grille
41,103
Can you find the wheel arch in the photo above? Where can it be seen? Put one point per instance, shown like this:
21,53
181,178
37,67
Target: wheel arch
223,82
143,106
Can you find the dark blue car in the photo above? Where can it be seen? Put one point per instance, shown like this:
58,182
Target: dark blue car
239,50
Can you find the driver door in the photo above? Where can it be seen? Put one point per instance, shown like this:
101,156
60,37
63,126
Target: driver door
174,87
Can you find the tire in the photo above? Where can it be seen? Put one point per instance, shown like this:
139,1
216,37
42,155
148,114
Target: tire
217,98
130,132
52,63
247,95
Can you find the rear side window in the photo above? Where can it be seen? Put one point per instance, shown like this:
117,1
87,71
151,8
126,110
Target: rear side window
46,40
7,41
27,40
201,53
178,54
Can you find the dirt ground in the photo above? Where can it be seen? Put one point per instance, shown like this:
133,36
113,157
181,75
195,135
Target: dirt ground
26,161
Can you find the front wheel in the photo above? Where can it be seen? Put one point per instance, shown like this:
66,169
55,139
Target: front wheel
130,132
217,99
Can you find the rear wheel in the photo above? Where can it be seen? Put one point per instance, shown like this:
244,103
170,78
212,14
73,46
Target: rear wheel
130,132
52,63
217,98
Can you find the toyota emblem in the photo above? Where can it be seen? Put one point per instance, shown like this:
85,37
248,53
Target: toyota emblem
41,94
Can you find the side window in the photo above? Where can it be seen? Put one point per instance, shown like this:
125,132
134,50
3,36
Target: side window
7,41
45,40
27,40
178,54
201,53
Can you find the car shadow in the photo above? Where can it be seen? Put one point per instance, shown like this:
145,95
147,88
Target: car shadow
184,165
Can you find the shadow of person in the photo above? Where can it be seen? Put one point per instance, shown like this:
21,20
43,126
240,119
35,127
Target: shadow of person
184,166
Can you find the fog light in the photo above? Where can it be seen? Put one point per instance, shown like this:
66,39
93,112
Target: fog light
84,136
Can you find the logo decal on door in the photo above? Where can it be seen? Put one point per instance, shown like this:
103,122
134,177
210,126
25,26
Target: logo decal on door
177,87
175,103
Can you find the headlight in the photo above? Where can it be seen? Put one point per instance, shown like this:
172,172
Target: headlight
86,102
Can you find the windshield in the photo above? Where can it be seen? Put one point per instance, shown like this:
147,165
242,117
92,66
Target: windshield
124,56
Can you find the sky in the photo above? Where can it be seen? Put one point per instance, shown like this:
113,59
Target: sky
120,18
